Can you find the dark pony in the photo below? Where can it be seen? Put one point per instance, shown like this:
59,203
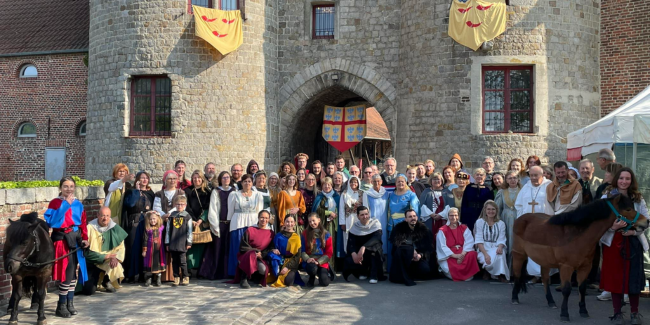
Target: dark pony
566,241
27,254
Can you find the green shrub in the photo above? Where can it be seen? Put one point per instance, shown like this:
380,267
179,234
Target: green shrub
31,184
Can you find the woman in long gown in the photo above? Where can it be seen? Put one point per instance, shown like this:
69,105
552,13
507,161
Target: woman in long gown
114,190
137,202
256,243
290,200
455,249
198,205
285,255
505,200
376,199
317,251
163,204
624,274
326,205
243,208
490,240
215,259
398,202
474,197
309,194
350,200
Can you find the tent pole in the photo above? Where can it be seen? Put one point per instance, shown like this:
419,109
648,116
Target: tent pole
634,157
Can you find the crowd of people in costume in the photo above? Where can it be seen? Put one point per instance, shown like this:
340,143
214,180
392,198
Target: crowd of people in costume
255,227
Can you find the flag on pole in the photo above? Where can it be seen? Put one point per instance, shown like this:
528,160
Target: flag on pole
473,22
344,127
222,29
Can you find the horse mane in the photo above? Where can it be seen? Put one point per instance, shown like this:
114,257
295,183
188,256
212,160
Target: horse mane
18,230
586,214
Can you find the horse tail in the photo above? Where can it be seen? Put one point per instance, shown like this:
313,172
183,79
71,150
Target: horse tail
523,286
29,286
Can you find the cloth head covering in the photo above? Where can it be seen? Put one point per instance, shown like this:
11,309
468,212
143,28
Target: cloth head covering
457,156
95,224
349,189
171,171
250,163
449,222
360,230
374,194
575,170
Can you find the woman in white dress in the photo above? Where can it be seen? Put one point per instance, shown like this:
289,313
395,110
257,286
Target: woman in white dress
243,207
505,200
490,239
351,198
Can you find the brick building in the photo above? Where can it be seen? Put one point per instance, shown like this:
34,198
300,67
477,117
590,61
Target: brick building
43,89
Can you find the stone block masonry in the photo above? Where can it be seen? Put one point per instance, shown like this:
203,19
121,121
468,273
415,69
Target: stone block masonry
16,202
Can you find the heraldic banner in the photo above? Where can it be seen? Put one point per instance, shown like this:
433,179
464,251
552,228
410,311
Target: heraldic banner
473,22
344,127
222,29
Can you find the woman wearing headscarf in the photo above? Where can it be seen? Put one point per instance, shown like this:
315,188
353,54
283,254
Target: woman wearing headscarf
114,190
490,240
198,205
326,205
163,204
137,202
457,163
376,199
399,201
215,259
351,199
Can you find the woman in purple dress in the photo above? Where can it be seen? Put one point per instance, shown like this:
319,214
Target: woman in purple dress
215,259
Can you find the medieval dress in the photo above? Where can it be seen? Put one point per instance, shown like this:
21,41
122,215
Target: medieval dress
215,257
455,241
254,240
505,200
309,197
163,203
348,204
103,241
474,198
321,251
326,204
289,246
114,191
377,203
491,237
242,213
368,236
198,205
287,202
153,246
136,204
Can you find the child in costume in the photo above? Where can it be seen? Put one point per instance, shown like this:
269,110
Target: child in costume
153,250
179,240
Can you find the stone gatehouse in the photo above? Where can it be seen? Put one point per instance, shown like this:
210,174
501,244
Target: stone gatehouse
158,93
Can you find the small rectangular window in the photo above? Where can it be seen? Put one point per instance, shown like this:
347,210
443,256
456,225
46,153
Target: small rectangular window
228,5
151,104
508,99
323,21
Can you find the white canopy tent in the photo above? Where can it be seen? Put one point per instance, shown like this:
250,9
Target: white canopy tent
629,123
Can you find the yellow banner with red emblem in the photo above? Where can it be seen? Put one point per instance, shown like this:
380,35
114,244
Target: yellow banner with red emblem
222,29
473,22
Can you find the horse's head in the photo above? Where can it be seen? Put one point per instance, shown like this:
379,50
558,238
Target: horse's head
625,207
20,244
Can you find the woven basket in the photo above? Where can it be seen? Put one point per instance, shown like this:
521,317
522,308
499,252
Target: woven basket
201,237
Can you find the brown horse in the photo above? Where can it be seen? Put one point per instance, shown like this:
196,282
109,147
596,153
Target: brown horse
566,241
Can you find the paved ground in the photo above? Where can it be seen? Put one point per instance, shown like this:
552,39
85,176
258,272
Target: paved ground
431,302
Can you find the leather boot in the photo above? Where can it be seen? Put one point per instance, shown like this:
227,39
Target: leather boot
62,310
71,308
148,281
158,279
244,280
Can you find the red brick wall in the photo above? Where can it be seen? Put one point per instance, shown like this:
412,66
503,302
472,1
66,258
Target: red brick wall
624,53
12,211
55,102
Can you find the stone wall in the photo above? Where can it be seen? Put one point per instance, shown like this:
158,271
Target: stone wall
624,55
16,202
55,102
219,103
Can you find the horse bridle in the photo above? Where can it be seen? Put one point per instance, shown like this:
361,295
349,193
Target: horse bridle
619,217
35,248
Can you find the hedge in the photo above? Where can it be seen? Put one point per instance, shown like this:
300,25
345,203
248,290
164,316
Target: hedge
31,184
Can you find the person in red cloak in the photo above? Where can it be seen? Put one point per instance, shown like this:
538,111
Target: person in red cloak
455,249
255,245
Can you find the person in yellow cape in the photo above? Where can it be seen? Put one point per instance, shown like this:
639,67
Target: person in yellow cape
222,29
105,254
473,22
285,258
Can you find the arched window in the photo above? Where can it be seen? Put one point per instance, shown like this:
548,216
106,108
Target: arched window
82,129
28,71
27,130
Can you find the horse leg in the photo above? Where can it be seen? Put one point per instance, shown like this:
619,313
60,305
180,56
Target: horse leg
15,296
583,273
35,297
565,276
518,266
41,284
546,280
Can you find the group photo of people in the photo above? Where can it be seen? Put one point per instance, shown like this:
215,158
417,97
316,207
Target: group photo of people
313,223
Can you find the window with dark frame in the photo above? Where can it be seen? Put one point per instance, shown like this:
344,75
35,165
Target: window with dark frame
323,21
202,3
222,5
228,4
151,103
507,99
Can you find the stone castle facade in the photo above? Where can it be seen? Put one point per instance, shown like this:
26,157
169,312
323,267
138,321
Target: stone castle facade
264,101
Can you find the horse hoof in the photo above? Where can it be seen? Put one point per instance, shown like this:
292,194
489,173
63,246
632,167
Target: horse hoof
552,305
584,315
565,319
33,306
515,301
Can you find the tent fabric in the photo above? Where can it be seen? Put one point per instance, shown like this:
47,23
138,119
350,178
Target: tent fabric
616,127
642,129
